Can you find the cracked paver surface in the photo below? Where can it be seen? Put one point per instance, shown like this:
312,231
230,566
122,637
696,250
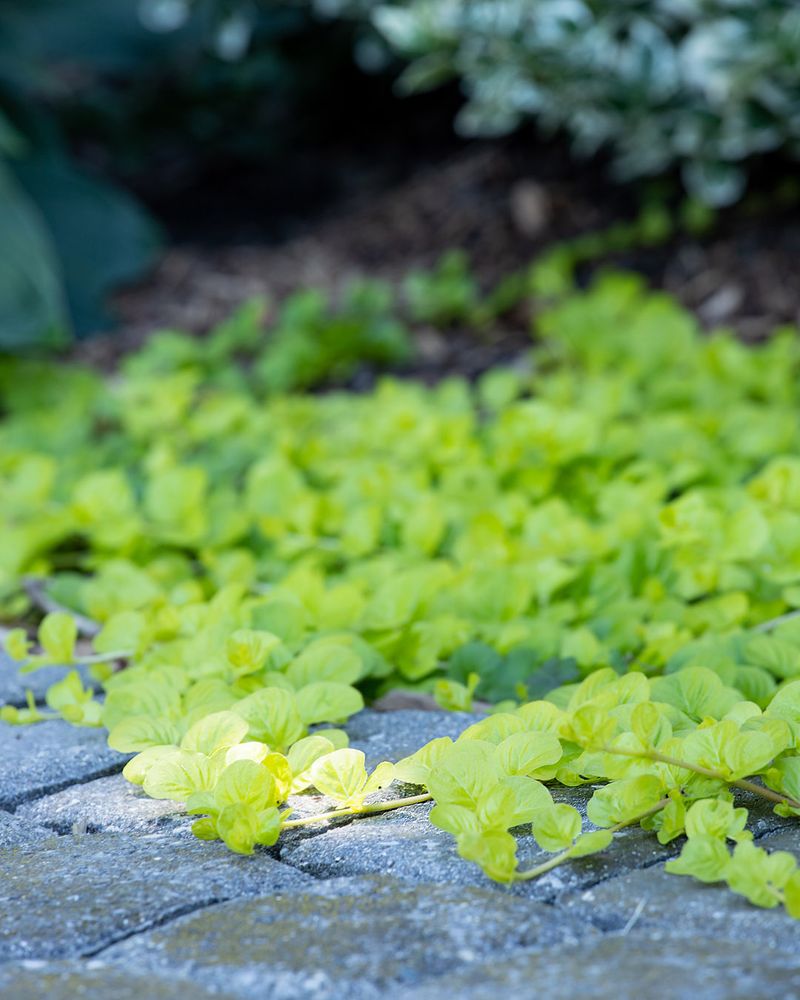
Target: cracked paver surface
104,892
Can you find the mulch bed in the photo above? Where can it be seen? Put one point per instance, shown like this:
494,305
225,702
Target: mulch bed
502,202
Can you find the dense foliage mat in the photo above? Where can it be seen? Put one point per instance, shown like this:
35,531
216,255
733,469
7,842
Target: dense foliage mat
612,528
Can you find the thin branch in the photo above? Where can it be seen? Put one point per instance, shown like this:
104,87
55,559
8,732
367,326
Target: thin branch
633,918
35,589
707,772
545,866
567,854
374,807
768,626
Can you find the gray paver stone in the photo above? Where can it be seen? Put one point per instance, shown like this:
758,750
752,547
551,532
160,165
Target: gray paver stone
785,839
93,980
636,967
109,804
353,938
16,832
405,844
77,895
660,901
13,684
394,735
48,756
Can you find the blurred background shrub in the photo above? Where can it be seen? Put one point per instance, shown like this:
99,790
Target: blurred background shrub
102,97
704,84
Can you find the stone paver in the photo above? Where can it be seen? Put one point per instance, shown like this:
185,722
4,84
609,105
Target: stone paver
16,832
77,895
402,843
660,901
394,735
405,844
785,839
48,756
761,817
13,684
93,980
354,938
635,967
109,804
380,906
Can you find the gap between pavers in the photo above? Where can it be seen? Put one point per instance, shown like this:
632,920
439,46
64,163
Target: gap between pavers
353,937
48,756
655,900
14,683
73,896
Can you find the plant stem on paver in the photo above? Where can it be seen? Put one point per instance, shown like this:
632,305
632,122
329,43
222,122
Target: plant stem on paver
559,859
707,772
374,807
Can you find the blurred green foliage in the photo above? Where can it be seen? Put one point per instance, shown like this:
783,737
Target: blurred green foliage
309,341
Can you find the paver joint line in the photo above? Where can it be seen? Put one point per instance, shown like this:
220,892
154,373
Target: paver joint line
418,858
64,787
163,921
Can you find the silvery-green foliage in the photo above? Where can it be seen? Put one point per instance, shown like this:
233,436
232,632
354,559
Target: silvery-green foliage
702,83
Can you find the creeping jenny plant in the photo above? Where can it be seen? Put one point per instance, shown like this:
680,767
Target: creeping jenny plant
606,543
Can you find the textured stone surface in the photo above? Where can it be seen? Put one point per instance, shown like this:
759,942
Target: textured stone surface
108,804
76,895
93,980
352,938
631,849
48,756
406,845
656,900
16,832
402,843
761,817
394,735
785,839
635,967
13,684
397,914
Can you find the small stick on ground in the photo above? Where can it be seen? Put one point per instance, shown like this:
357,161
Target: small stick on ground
35,589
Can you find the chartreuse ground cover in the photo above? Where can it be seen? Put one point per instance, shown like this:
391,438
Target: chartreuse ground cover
603,544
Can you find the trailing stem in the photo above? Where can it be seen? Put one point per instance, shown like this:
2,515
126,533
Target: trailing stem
373,807
768,626
707,772
570,852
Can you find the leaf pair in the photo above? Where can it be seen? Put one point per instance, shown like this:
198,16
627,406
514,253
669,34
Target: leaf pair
342,775
765,879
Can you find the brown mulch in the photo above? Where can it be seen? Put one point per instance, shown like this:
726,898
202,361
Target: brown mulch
503,203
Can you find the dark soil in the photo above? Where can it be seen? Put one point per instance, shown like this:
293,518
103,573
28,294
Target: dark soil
401,205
